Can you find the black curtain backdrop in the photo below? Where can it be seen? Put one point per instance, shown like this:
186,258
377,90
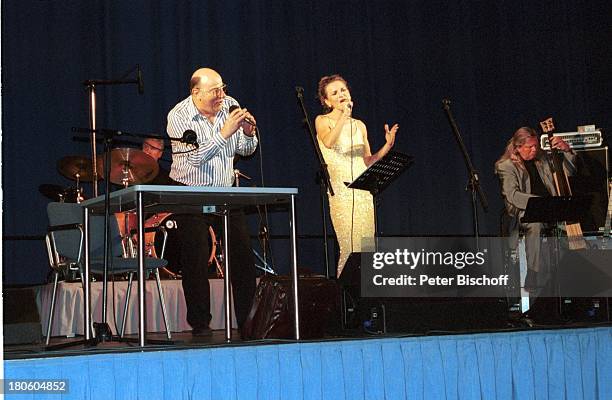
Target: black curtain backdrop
503,64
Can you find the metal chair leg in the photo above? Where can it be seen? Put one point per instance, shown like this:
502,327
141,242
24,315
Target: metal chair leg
162,303
127,303
52,308
91,325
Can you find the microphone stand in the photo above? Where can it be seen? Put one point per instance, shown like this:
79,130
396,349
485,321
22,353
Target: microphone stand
91,89
323,179
474,182
116,132
102,329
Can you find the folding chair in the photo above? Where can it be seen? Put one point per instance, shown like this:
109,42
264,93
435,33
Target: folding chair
65,238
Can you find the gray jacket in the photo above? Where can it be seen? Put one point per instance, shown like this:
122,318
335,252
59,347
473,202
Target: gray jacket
516,188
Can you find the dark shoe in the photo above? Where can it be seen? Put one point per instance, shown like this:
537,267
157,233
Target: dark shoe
201,331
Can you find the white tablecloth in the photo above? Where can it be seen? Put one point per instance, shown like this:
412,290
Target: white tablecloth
68,319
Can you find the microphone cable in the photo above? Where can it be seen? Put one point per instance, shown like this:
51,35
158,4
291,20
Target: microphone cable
184,152
263,219
352,179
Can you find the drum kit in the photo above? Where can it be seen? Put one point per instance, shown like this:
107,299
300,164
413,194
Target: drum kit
128,166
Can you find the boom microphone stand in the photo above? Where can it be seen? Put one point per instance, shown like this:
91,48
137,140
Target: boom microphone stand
474,182
102,329
91,88
322,175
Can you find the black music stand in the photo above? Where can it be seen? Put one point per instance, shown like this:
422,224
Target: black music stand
554,210
379,175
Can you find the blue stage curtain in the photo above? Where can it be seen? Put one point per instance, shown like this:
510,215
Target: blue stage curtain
555,364
504,64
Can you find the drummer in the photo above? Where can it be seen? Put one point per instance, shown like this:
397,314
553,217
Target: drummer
155,149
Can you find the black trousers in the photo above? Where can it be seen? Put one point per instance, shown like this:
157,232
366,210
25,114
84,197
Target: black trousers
190,251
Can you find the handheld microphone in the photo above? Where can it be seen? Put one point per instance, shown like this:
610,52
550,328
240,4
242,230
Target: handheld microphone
139,80
190,137
247,120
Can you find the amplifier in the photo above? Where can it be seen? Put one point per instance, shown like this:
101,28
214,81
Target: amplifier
591,179
576,140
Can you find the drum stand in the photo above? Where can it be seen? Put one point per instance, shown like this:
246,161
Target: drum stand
78,189
265,267
129,249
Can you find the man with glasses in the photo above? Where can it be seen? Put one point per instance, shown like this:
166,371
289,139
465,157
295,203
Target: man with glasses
220,135
155,149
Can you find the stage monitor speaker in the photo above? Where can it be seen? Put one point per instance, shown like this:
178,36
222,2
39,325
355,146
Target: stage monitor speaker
271,314
414,315
351,273
21,318
593,172
580,290
586,273
424,315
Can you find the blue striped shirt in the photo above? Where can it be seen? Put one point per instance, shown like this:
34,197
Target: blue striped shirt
212,163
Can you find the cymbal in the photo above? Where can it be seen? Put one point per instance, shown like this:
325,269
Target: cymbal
75,167
57,193
50,191
129,165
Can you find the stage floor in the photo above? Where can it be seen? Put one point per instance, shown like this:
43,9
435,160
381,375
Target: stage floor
405,320
185,340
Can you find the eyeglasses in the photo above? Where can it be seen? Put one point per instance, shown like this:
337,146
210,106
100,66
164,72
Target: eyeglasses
218,91
147,145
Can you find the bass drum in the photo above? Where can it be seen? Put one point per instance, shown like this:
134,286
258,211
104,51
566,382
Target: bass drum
154,242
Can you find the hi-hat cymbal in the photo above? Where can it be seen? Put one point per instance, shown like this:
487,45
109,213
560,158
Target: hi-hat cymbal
130,166
50,191
58,193
76,168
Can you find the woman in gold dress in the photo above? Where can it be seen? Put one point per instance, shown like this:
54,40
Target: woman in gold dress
344,143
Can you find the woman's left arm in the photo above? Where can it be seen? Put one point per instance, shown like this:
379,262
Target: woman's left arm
390,133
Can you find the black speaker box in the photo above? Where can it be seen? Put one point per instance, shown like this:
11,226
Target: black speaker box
586,273
580,289
590,271
414,315
586,309
591,179
272,316
21,318
424,315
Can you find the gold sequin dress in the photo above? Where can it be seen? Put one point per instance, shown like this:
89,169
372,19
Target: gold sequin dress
352,211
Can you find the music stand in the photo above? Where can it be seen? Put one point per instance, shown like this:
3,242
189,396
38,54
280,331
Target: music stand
554,210
379,175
